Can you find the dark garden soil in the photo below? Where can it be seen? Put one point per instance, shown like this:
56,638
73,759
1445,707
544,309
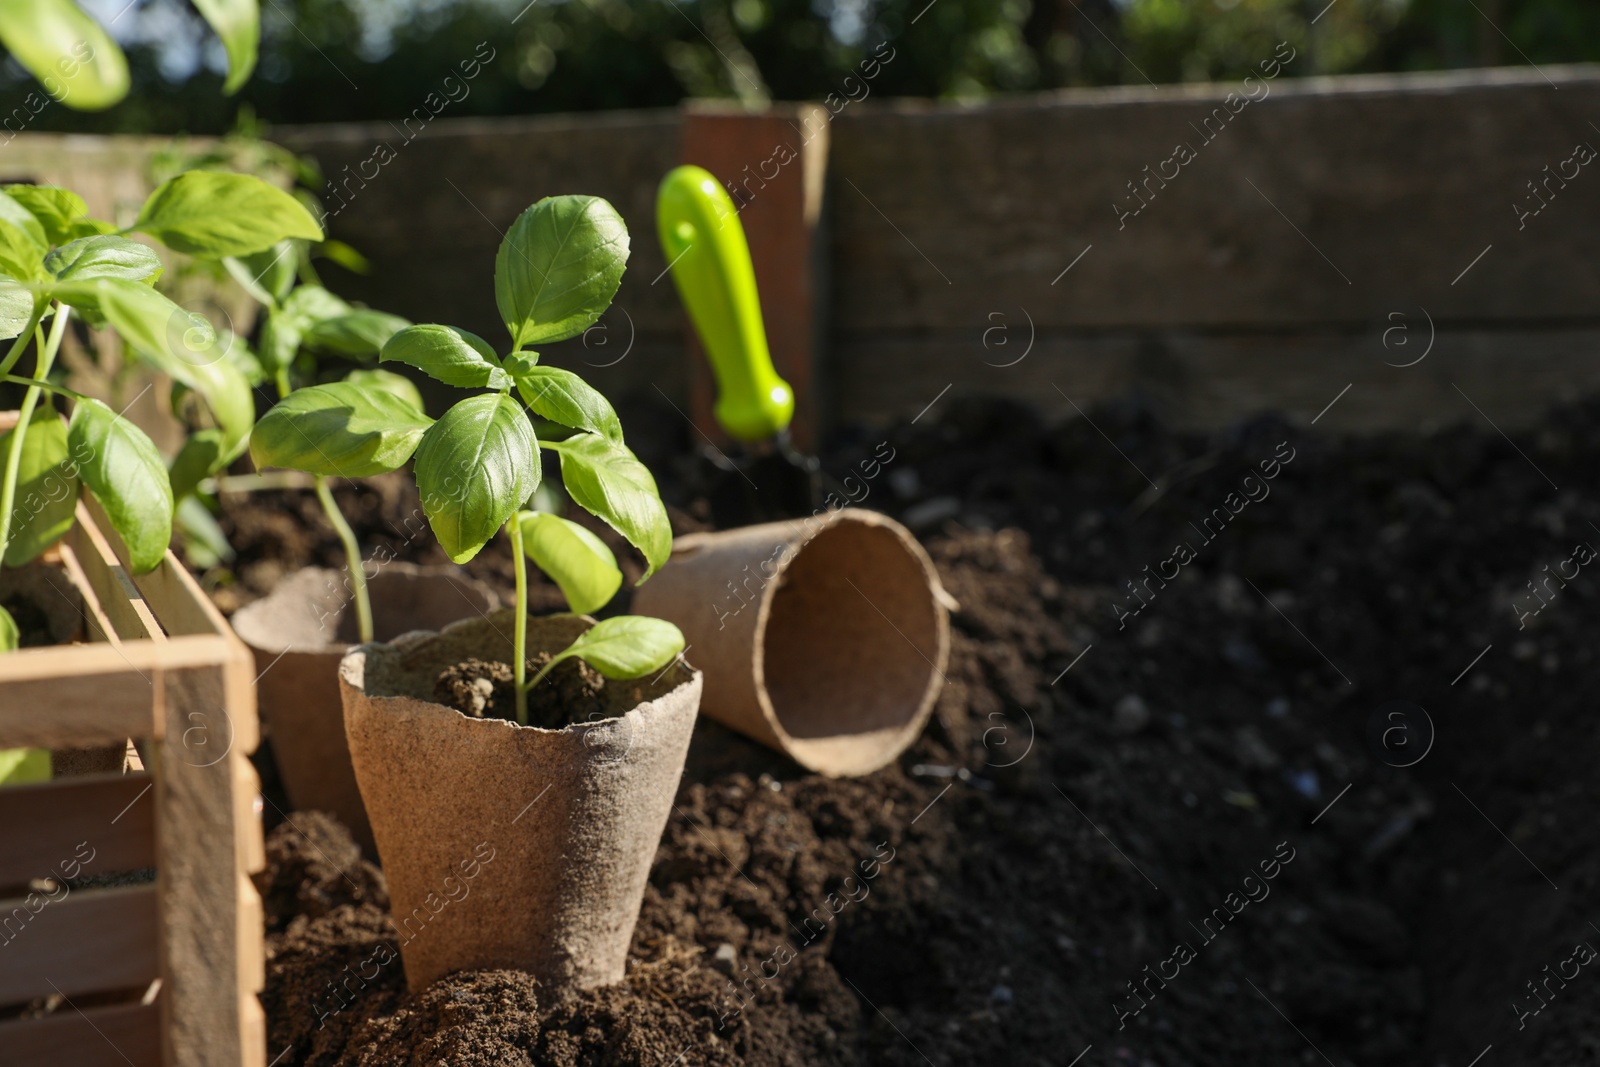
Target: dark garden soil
1169,825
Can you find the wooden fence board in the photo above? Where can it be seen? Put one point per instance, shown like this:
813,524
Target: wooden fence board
940,217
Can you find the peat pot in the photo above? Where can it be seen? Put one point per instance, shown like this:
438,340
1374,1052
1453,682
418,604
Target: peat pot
825,638
512,846
299,634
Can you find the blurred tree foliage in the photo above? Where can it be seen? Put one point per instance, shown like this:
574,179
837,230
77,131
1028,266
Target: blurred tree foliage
327,60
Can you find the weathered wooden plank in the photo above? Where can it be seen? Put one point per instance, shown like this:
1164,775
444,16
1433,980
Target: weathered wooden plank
83,941
1196,379
101,693
71,695
117,1036
1399,180
115,594
198,872
99,825
97,624
175,600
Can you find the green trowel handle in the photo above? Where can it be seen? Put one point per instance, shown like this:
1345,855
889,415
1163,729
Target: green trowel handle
710,264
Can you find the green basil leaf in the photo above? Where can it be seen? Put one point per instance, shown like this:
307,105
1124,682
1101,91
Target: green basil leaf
204,544
125,472
16,308
104,257
574,558
22,765
200,457
73,57
180,344
21,258
91,228
215,214
310,304
608,481
567,400
47,486
449,355
267,275
627,646
237,352
55,209
389,382
14,211
10,639
280,340
559,267
356,335
338,430
476,467
238,23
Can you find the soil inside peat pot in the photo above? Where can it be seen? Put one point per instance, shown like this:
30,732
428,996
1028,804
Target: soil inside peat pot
572,692
1165,813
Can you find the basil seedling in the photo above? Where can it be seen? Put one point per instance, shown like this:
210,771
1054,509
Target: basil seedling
478,465
55,262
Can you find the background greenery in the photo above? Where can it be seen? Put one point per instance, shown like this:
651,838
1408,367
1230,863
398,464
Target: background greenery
326,60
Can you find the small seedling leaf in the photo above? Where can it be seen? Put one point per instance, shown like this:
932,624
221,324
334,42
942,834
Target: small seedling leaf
339,430
476,467
627,646
10,636
574,558
179,343
359,334
559,267
47,486
449,355
389,382
104,257
608,481
267,275
70,53
200,457
124,470
16,308
567,400
238,23
20,256
55,209
215,214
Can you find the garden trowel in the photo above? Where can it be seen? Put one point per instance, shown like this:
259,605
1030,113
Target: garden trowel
766,478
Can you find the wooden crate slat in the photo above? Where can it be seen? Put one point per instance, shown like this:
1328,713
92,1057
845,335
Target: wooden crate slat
88,941
164,668
98,623
177,600
246,814
197,863
113,589
113,815
74,695
114,1036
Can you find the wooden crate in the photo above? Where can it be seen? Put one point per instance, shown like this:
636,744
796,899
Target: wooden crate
144,974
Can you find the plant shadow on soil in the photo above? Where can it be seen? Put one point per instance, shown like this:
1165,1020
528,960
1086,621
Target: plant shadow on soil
1056,832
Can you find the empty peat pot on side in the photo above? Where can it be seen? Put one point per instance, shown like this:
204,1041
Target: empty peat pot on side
510,846
298,635
825,638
